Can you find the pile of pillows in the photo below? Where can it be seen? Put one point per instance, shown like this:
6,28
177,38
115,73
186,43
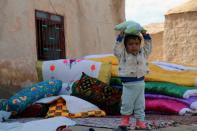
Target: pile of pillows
87,88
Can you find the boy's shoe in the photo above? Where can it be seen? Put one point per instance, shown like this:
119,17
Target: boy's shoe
141,125
125,120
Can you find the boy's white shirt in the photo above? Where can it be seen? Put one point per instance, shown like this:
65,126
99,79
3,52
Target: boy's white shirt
131,65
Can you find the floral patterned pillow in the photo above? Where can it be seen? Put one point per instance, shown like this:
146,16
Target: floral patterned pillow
27,96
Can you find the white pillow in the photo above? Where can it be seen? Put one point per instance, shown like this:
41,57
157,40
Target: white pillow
4,115
74,104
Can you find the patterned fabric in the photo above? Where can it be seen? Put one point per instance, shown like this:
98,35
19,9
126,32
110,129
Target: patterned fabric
70,70
59,108
27,96
114,122
98,93
71,102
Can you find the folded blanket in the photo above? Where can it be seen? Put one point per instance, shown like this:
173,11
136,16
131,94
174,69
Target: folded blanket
173,66
59,108
186,78
170,89
191,102
167,106
156,73
72,103
165,88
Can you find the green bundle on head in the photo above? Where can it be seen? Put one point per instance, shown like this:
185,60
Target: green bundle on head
130,27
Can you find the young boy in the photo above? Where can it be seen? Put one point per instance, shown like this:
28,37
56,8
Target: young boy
132,68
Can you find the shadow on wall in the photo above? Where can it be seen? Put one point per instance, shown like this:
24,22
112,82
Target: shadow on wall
6,92
13,78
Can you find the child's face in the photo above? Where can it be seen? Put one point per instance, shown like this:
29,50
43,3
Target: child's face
133,46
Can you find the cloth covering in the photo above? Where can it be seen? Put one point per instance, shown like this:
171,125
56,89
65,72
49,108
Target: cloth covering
70,70
59,108
191,102
71,102
165,88
186,78
174,66
167,106
156,73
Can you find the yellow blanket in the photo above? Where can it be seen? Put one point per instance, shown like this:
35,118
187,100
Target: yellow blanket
187,78
59,108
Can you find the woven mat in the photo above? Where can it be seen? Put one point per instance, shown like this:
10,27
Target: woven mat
113,122
185,120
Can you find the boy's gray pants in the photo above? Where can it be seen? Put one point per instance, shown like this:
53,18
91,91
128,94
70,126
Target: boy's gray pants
133,99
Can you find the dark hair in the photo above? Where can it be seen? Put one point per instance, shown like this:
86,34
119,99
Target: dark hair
131,36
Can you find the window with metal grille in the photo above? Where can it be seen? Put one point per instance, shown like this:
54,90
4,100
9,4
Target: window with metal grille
49,36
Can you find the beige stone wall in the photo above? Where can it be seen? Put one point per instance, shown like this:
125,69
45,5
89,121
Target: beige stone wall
156,31
88,30
17,46
157,47
180,39
187,6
